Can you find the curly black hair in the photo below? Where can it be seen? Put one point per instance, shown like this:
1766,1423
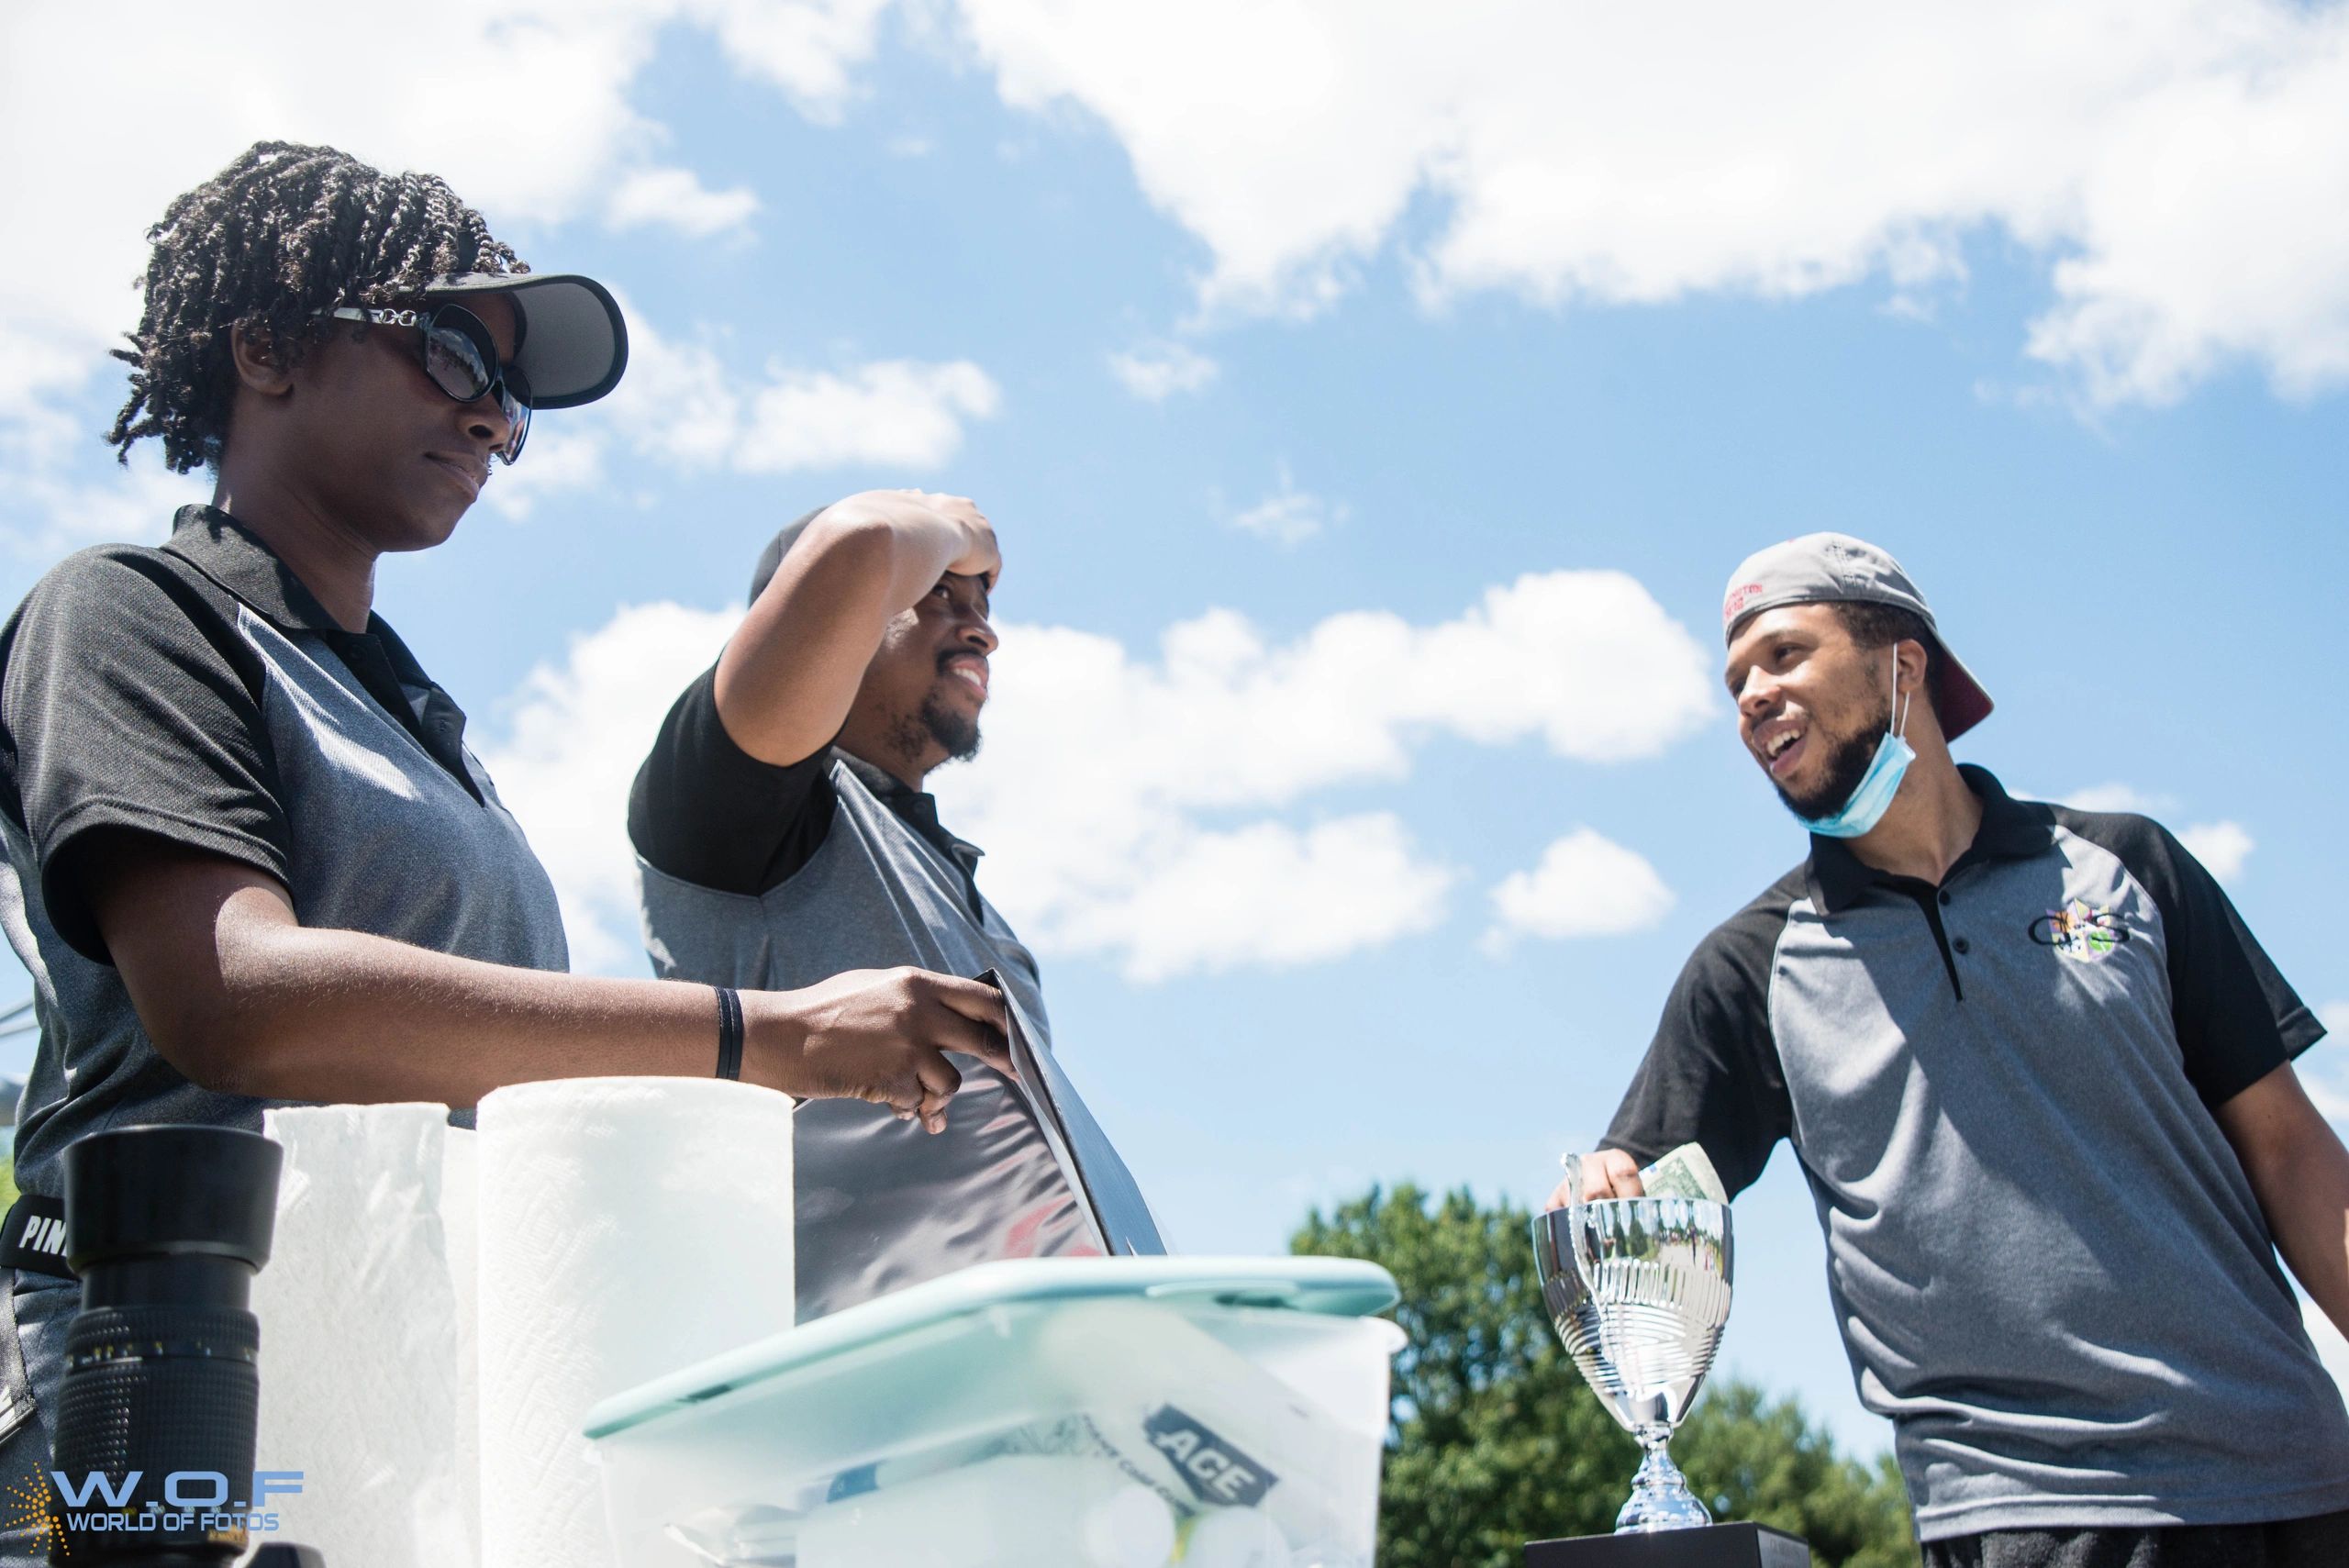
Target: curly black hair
281,235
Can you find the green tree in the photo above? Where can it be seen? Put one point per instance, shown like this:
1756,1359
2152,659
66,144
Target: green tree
1496,1440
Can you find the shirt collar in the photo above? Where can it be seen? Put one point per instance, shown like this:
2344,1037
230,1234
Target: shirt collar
917,807
233,556
237,559
2011,830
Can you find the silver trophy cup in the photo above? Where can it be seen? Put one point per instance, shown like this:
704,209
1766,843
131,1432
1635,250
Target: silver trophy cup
1638,1288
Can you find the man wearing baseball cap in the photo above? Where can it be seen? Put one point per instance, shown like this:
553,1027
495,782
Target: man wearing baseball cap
782,828
2038,1074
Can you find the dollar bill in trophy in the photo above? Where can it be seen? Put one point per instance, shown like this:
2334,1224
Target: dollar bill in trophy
1638,1290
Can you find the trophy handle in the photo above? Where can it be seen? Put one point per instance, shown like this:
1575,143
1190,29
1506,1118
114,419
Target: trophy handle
1586,1255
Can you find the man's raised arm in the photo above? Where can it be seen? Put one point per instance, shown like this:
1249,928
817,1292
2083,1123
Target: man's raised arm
787,680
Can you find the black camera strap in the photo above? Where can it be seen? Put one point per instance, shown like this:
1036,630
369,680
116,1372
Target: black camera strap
32,1239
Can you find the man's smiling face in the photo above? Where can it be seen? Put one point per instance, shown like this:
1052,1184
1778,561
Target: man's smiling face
1812,706
928,678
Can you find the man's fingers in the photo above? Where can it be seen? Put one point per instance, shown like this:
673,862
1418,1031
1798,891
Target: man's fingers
936,1076
939,1082
972,1022
1611,1179
980,1003
987,1042
952,1031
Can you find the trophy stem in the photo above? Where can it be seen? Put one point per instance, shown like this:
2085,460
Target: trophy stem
1660,1497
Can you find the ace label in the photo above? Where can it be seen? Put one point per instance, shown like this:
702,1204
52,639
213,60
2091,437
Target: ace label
1219,1472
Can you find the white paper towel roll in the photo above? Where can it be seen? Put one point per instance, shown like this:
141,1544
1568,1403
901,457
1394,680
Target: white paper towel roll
361,1361
628,1226
459,1221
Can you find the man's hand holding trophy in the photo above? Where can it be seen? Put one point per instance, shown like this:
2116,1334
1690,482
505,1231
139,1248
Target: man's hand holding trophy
1638,1288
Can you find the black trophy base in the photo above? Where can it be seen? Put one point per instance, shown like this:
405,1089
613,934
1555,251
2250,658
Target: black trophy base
1715,1546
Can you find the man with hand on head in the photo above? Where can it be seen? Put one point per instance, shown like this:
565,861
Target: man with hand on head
2038,1074
781,829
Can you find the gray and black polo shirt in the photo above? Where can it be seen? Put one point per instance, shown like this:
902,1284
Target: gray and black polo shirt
197,694
779,877
2048,1266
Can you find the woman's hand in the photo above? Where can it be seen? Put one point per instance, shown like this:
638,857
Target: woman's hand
874,1034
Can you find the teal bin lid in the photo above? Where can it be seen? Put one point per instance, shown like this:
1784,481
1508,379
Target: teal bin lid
1337,1287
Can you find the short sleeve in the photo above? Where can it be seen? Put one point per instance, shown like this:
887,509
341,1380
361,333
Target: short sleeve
130,703
706,811
1711,1074
2237,1019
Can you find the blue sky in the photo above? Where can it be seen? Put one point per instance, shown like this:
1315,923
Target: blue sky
1371,412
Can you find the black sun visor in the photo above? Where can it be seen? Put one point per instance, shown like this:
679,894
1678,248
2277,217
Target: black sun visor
573,342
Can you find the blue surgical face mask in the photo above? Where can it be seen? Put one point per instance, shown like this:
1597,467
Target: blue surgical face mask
1872,798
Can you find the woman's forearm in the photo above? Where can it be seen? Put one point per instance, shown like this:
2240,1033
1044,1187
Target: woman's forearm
324,1015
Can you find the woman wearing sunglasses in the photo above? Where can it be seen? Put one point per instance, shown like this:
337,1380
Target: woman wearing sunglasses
250,857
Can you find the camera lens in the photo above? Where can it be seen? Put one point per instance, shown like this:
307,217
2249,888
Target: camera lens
166,1227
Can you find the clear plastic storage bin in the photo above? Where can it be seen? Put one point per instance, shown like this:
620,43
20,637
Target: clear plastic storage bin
1090,1413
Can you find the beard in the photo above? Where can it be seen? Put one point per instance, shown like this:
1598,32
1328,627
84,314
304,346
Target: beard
935,724
957,734
1847,764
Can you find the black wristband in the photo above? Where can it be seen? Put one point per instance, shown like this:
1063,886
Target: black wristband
729,1032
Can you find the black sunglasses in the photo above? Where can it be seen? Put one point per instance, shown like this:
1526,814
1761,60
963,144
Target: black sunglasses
461,357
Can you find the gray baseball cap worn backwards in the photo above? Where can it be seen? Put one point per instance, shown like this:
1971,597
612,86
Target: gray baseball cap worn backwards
571,342
1836,568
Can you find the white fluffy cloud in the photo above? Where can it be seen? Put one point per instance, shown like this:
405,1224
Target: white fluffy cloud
1155,372
43,516
895,412
1288,515
1107,778
2115,797
677,198
1586,884
576,732
1267,895
1155,813
2179,166
527,109
683,404
2223,846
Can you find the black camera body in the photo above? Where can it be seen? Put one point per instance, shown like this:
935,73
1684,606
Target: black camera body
166,1227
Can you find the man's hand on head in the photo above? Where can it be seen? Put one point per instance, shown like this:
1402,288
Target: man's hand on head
957,519
1609,1172
788,679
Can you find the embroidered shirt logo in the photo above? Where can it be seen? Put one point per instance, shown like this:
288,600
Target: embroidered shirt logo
2080,930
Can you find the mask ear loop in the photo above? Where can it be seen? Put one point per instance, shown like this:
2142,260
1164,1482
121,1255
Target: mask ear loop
1900,705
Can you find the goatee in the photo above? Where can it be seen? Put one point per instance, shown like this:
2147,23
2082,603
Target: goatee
938,723
957,733
1846,766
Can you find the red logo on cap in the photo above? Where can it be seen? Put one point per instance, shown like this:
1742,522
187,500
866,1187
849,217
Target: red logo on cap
1738,599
